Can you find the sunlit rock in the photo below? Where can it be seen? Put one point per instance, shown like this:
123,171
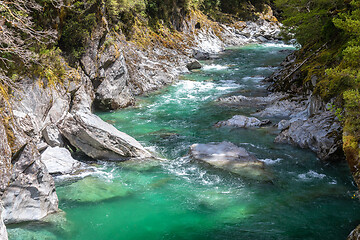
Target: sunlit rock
230,157
59,161
242,122
100,140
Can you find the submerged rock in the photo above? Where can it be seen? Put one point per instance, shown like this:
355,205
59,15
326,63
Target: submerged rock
92,189
193,65
243,122
30,234
140,165
230,157
31,193
100,140
59,161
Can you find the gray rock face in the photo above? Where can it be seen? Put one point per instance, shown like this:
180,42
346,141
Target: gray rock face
242,122
59,161
82,101
193,65
31,193
53,136
99,139
3,232
38,107
5,159
113,92
321,133
228,156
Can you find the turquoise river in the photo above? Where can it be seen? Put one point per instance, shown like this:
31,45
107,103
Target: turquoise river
176,198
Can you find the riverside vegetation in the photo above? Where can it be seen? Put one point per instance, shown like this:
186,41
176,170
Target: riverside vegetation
61,60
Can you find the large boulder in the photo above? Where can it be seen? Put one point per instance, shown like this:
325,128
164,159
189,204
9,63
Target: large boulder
31,192
227,156
241,121
59,161
98,139
321,133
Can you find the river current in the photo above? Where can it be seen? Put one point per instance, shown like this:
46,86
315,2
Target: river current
176,198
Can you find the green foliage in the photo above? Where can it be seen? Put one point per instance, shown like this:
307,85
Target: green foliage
310,21
352,106
242,9
80,20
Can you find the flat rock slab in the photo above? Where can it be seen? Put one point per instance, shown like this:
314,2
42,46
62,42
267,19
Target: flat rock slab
241,121
227,156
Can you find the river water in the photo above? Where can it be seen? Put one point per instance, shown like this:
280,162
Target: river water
176,198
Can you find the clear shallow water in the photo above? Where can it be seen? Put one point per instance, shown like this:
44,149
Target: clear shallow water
179,199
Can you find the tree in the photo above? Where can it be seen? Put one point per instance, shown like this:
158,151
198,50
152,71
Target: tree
18,34
310,21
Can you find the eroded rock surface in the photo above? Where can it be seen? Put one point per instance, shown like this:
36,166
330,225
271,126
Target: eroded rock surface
31,193
53,136
321,133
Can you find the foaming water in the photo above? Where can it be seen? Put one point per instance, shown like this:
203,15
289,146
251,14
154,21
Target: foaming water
214,67
177,198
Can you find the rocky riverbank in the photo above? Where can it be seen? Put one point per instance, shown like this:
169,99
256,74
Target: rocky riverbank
302,119
41,117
